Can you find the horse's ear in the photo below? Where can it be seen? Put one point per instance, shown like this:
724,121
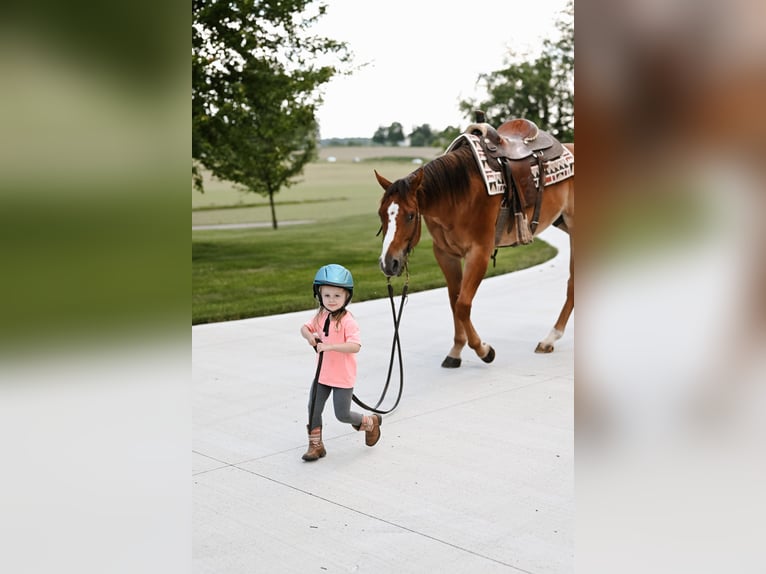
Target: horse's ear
384,183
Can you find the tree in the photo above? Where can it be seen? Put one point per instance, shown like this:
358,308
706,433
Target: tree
391,135
380,136
421,136
256,74
541,90
445,137
395,134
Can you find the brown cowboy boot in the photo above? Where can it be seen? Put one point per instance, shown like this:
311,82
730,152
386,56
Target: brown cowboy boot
316,448
371,427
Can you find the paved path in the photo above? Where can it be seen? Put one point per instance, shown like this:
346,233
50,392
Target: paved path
248,225
473,472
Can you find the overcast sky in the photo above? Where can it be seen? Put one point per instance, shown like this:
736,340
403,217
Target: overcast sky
424,57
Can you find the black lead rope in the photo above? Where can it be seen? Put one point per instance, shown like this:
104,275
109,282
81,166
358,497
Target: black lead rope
396,348
326,330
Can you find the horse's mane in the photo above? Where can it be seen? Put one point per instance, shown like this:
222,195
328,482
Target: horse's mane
445,177
449,175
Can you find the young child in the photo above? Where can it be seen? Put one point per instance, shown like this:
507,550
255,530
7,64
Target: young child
334,334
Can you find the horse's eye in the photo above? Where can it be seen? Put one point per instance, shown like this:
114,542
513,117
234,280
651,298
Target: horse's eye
410,217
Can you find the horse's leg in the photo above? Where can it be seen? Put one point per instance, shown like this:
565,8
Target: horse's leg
546,345
453,274
476,263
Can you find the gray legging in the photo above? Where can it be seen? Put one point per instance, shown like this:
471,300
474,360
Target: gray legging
341,400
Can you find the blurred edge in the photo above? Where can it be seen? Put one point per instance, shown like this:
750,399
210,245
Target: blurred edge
94,336
671,328
671,279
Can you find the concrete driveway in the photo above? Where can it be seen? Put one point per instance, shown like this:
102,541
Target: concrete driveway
474,469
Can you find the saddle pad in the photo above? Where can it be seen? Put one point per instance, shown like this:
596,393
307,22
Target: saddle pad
493,180
556,170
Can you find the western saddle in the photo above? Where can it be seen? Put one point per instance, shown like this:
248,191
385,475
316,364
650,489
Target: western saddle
512,149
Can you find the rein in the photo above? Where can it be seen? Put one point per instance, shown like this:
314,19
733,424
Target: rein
326,330
396,349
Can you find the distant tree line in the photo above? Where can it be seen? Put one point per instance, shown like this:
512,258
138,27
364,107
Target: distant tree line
420,136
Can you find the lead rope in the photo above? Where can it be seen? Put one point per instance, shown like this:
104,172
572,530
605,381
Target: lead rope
396,349
313,395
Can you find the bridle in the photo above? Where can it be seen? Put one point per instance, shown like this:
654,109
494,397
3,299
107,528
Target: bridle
414,233
418,227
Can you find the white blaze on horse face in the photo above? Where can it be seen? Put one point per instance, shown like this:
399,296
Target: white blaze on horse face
393,211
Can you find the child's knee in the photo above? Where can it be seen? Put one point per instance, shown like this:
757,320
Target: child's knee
344,417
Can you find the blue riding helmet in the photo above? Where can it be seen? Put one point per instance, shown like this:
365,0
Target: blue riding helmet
334,274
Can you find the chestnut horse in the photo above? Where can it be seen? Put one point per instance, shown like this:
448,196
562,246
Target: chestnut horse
450,193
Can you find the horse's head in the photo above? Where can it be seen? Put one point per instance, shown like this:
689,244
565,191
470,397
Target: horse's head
400,221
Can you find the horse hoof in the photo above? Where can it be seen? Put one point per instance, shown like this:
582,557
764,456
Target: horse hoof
546,348
451,362
489,357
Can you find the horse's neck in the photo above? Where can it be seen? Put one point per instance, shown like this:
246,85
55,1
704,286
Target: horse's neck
440,182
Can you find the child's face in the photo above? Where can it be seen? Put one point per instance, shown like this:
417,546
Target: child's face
333,298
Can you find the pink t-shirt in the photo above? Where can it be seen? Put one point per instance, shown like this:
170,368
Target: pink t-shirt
338,369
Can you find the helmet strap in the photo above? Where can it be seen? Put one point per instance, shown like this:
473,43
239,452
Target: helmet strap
326,327
333,313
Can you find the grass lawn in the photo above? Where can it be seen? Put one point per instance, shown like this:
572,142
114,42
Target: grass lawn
344,187
241,273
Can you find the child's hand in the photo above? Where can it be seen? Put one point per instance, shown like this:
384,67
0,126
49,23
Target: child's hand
315,341
322,346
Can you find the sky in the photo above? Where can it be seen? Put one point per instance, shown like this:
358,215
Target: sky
423,57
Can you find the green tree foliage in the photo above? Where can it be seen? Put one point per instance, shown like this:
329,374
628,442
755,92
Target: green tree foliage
380,136
445,137
256,74
395,134
392,135
422,136
540,90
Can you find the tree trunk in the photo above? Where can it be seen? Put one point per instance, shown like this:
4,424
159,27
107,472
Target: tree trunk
273,211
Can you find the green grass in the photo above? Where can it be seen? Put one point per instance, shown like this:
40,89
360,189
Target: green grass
346,187
253,272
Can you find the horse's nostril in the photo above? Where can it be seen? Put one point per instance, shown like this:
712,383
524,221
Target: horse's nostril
394,265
